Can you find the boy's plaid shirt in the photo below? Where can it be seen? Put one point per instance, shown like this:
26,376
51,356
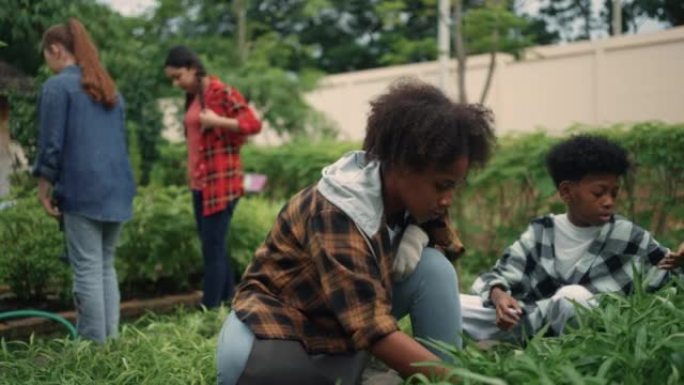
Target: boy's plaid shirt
220,170
527,270
316,280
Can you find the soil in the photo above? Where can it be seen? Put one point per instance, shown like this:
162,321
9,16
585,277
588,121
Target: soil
129,291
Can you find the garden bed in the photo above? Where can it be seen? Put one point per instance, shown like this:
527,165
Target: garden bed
131,309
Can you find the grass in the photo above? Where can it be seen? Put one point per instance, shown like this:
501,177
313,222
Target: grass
164,350
627,340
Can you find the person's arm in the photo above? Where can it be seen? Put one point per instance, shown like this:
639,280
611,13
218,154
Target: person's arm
243,120
508,310
657,263
400,352
52,118
45,197
352,288
494,286
673,260
509,270
210,119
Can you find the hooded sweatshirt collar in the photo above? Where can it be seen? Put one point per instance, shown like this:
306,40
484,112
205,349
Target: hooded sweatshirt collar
353,185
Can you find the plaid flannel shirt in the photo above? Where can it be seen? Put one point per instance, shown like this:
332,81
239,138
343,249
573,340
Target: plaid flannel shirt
317,279
220,171
528,269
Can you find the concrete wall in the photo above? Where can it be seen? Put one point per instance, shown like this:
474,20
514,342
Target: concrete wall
623,79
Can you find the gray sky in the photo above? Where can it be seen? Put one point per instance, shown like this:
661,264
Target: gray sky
129,7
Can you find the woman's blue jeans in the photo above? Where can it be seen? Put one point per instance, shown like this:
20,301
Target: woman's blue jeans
90,247
219,282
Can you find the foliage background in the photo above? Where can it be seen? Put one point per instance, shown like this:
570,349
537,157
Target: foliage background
159,249
274,51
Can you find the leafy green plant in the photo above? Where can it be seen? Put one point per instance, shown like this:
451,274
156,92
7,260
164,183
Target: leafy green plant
252,220
171,168
29,261
155,350
160,242
626,340
294,165
22,185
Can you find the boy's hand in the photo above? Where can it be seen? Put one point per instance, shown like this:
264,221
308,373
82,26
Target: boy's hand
673,260
508,310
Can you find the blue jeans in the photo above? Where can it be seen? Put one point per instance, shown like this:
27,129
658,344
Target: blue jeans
429,295
219,283
90,246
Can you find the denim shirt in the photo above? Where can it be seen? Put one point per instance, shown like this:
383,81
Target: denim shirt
82,150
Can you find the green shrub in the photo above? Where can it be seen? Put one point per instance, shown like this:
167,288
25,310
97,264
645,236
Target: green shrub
171,167
158,250
289,167
252,220
31,244
292,166
155,350
22,185
160,241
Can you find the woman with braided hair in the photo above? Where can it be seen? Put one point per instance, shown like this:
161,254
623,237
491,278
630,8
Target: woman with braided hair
85,177
217,123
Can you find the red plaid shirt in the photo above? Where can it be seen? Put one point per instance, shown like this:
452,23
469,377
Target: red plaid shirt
220,169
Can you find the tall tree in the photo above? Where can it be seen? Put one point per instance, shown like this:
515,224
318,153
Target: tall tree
347,35
460,51
565,15
21,26
490,28
247,44
628,12
128,56
667,11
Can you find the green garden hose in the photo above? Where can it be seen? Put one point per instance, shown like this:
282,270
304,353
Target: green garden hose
42,314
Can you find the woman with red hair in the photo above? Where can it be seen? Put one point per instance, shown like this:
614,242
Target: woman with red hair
85,177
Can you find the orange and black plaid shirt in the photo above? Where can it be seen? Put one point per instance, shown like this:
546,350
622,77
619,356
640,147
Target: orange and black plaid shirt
316,280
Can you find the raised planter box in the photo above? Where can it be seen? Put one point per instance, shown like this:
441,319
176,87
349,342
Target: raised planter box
19,328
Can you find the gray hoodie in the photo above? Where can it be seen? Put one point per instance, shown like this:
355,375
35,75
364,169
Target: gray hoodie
353,184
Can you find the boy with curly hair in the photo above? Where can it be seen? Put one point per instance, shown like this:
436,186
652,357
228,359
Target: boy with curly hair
571,257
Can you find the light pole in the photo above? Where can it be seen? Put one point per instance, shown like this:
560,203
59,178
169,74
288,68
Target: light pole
443,39
617,18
